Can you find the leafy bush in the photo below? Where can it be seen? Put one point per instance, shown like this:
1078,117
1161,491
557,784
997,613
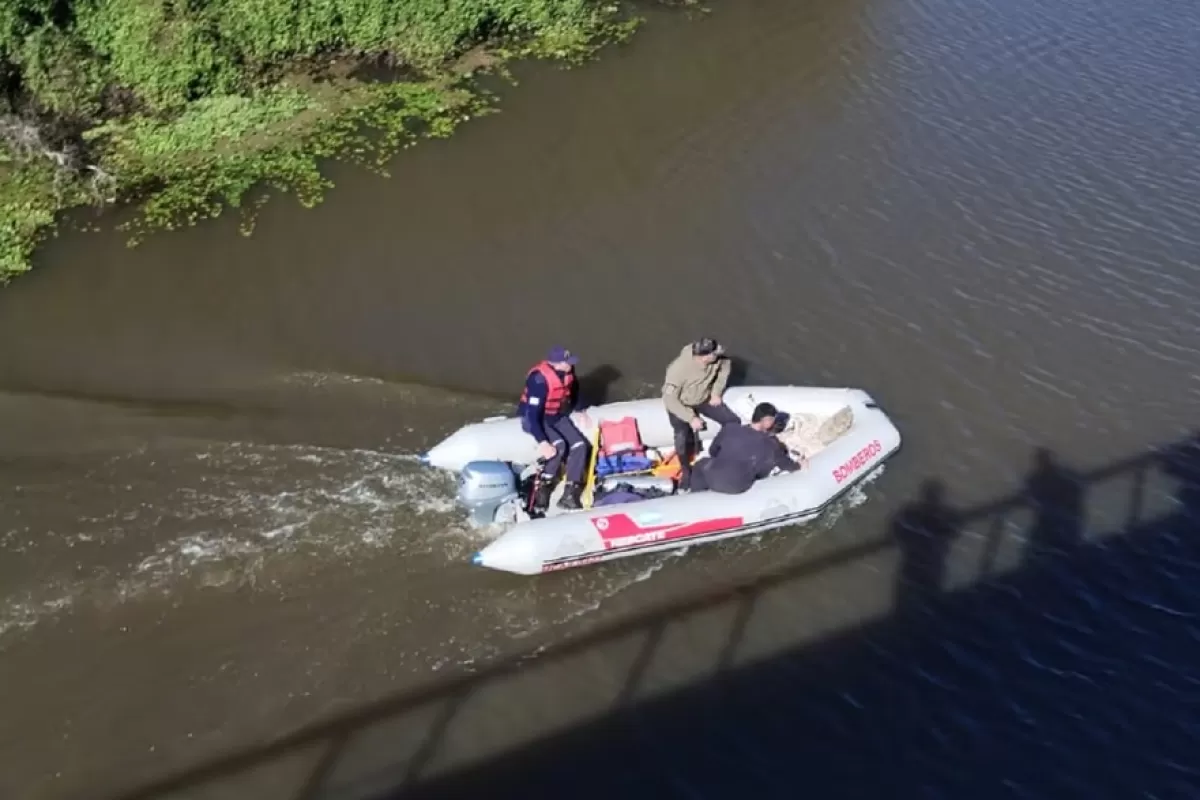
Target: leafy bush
185,105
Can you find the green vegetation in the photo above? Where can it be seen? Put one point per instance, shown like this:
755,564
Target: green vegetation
183,106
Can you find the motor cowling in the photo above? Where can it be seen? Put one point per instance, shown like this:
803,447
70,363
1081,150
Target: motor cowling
484,487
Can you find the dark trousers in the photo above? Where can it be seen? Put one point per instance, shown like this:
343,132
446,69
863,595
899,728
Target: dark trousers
713,475
687,441
699,478
569,444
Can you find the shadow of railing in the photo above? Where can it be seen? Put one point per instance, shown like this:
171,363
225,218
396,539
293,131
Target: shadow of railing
744,659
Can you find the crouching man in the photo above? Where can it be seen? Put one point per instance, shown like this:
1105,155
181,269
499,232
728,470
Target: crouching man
743,454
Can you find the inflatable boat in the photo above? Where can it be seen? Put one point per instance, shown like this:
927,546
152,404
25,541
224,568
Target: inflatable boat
841,434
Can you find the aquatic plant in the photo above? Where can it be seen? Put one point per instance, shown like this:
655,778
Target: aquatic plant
184,106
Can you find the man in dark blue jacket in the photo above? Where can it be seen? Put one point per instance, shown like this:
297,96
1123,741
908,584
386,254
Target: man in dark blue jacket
742,454
551,393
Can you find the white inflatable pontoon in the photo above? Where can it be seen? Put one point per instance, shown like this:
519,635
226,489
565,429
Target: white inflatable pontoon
492,456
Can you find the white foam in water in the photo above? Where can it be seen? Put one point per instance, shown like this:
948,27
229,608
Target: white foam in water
191,551
21,613
250,503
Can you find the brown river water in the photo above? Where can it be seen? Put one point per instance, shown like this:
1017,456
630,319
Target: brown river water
213,527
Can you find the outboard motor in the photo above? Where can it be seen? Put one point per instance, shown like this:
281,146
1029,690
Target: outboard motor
484,487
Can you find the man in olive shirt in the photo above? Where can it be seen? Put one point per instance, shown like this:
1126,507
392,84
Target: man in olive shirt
693,387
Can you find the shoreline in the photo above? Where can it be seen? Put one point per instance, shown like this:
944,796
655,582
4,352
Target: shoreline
125,125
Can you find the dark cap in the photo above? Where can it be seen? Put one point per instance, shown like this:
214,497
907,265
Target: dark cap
707,347
558,354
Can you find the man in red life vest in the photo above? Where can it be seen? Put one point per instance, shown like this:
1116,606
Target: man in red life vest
551,394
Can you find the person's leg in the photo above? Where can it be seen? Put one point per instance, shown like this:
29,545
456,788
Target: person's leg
577,449
722,413
699,481
551,468
548,477
685,446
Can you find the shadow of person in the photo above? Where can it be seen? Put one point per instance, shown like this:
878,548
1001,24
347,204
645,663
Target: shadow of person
1182,462
739,370
924,530
1056,494
596,384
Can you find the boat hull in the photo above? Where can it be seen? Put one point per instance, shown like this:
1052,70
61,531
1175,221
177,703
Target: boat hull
566,541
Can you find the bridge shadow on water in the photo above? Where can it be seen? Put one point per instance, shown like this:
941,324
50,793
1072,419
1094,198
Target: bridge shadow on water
1067,665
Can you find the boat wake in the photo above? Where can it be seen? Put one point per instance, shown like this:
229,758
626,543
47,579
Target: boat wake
218,516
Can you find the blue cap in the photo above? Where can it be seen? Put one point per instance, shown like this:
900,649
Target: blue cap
477,559
558,354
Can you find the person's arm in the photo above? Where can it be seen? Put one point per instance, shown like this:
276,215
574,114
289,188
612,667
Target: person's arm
724,367
783,460
718,442
535,407
670,392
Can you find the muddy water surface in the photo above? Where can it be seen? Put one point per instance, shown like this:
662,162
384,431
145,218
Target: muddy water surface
213,526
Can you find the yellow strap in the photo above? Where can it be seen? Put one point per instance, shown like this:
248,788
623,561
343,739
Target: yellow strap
589,489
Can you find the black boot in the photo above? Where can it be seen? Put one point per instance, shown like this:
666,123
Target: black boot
541,495
570,498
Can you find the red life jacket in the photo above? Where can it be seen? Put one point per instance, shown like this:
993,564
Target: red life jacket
620,436
558,387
